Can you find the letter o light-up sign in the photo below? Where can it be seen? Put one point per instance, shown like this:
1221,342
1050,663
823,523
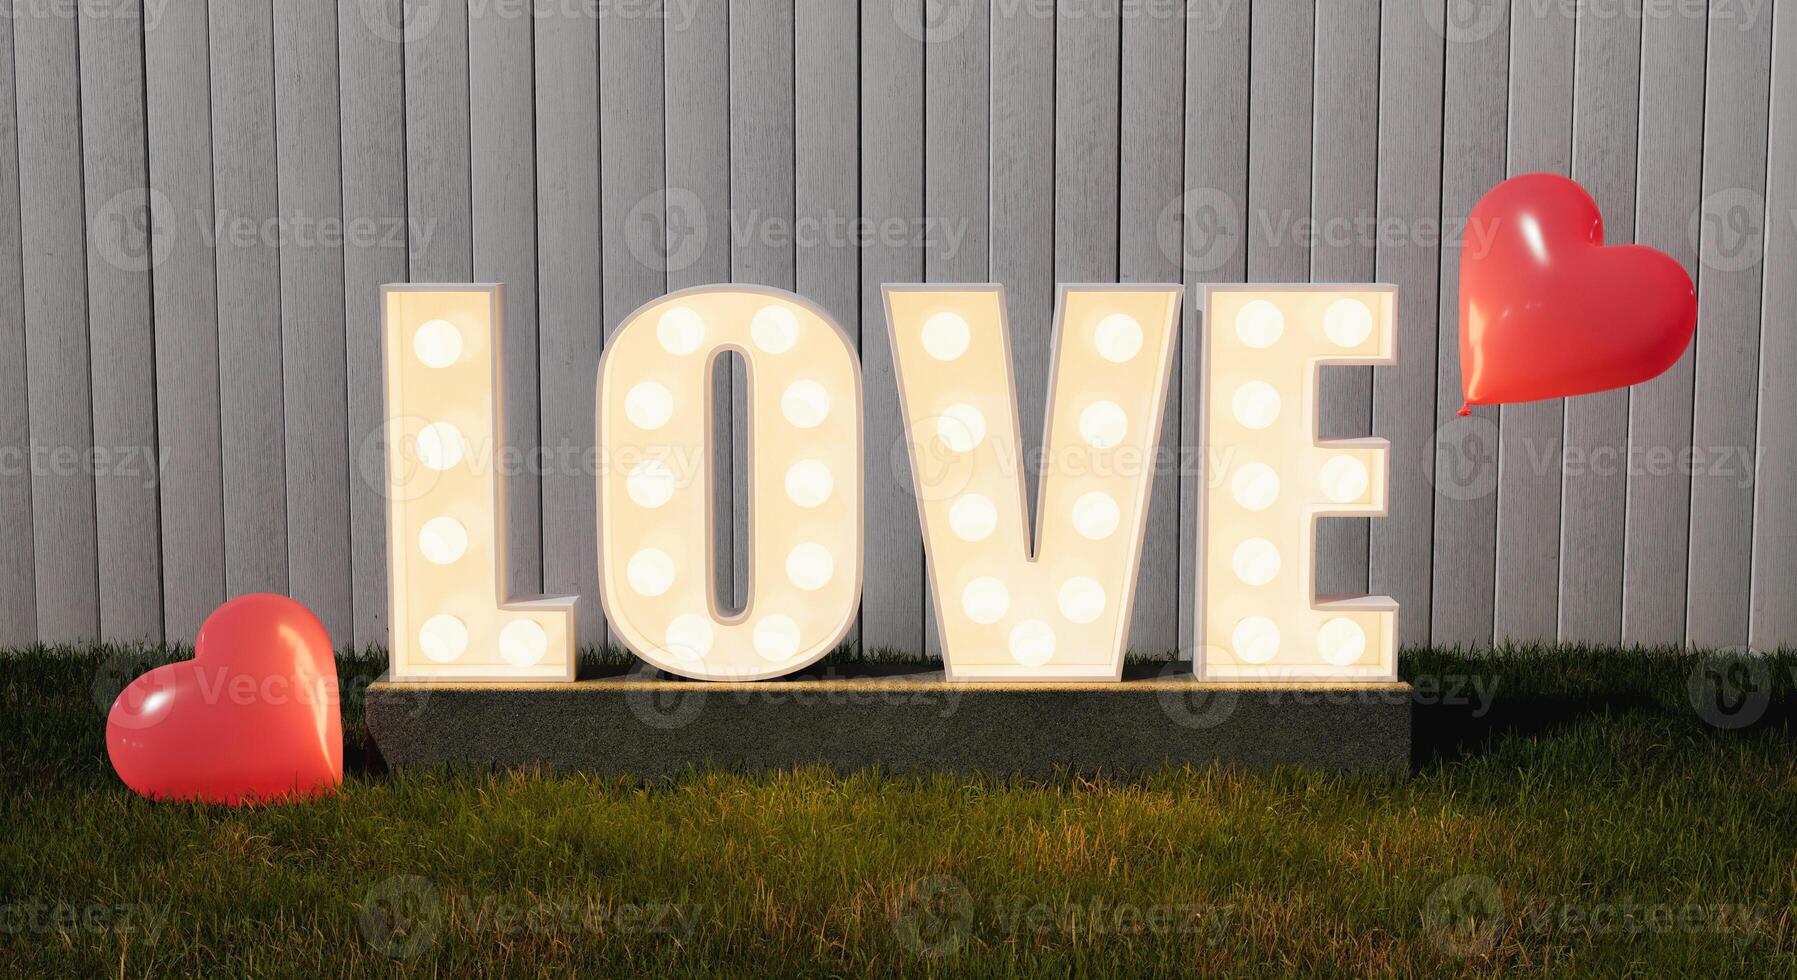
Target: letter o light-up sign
1269,478
805,450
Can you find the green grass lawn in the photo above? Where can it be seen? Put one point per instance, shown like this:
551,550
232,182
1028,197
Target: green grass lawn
1569,812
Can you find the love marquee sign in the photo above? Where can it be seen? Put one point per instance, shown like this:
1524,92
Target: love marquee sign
1010,606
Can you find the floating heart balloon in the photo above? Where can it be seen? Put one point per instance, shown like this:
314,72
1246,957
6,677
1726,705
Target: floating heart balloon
253,716
1547,310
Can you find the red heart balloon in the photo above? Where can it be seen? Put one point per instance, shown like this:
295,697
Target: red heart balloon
1547,311
253,716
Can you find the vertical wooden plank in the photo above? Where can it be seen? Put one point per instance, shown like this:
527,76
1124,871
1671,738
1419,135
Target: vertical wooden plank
1150,163
1413,39
1669,192
957,168
761,198
1773,616
1731,249
503,179
373,107
1606,108
892,109
701,230
439,186
571,322
1344,199
51,222
179,120
1464,449
1206,230
122,249
826,151
1281,58
1531,435
252,427
18,599
312,338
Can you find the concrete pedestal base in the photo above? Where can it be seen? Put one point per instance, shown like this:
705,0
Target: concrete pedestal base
897,718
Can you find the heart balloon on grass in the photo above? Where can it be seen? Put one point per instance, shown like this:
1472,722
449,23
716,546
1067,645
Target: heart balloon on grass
253,716
1547,310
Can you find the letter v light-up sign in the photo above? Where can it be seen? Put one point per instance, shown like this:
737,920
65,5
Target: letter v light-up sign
1057,610
450,619
1269,478
805,457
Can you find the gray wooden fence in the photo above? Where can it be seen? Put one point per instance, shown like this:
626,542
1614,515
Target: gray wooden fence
208,197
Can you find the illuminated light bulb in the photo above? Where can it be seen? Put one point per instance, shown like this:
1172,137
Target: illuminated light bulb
973,517
443,638
985,600
650,572
1347,323
776,637
437,343
1344,479
650,483
1259,324
1255,486
688,637
649,405
1341,641
805,404
1256,405
1103,424
439,446
809,483
774,329
961,427
1255,640
680,330
523,643
810,566
1118,338
1256,561
945,336
443,540
1032,643
1096,516
1081,599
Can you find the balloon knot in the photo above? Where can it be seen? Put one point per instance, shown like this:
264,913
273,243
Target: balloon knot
1466,409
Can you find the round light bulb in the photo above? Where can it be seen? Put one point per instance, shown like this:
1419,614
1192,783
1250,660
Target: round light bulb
650,572
1344,479
649,405
1255,486
776,637
972,517
650,483
681,330
1347,323
805,404
1081,599
945,336
1096,516
1256,561
810,566
985,600
437,343
1341,641
523,643
443,540
774,329
1256,405
439,446
688,637
442,638
1259,324
961,427
1118,338
1032,643
1103,424
809,483
1255,640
